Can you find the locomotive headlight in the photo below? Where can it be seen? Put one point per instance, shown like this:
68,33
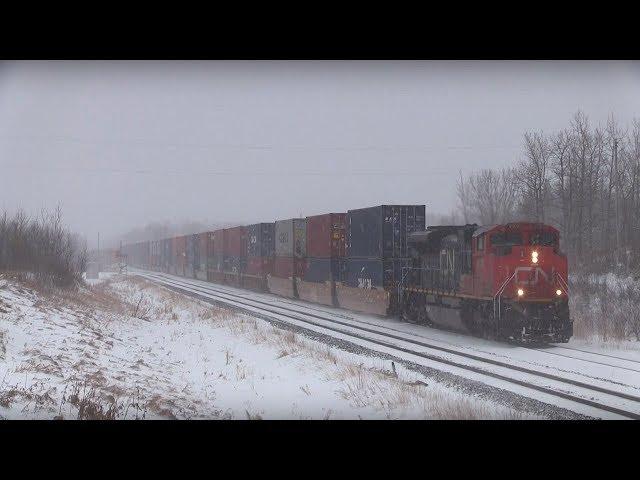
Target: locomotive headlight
534,256
520,292
558,292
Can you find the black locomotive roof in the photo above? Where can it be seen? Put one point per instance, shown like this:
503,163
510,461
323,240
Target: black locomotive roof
435,233
513,226
484,229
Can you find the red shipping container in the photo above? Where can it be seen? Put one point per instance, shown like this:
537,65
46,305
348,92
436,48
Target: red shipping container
326,235
259,265
286,267
202,246
236,242
210,249
203,250
219,241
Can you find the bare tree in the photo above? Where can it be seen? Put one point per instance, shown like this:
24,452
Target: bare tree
584,180
464,198
532,174
488,196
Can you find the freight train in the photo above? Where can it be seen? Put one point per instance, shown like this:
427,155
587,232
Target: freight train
500,281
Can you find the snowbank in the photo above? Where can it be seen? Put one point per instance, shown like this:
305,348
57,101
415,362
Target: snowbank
126,348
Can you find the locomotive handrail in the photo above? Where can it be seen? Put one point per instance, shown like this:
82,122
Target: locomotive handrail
449,288
401,284
498,296
563,283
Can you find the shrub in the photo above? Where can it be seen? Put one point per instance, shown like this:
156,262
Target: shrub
42,246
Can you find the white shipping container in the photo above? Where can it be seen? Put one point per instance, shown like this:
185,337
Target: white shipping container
291,238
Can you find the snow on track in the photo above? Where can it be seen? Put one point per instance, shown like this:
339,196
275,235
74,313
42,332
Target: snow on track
569,378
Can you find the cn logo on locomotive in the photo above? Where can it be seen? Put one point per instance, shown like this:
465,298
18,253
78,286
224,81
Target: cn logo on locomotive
529,280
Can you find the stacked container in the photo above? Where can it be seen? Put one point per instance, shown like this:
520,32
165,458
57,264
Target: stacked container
154,255
260,254
190,256
377,251
325,249
211,259
181,255
167,259
201,255
216,262
229,247
290,253
235,250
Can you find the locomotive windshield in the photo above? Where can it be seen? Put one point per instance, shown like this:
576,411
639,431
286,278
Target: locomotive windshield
544,239
506,239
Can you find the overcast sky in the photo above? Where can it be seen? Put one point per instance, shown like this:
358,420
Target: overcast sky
119,145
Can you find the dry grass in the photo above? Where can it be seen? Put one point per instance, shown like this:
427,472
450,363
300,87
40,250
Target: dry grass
34,398
90,396
3,344
386,391
363,387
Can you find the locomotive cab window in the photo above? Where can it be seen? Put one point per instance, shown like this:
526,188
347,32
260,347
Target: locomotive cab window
502,242
544,239
480,243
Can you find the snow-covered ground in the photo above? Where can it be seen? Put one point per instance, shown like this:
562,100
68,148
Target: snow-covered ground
126,348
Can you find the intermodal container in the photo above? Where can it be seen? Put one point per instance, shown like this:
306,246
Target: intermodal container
156,249
259,266
236,242
181,254
219,243
216,263
381,232
291,238
210,244
190,258
323,269
326,235
168,255
374,272
261,240
234,264
202,252
288,267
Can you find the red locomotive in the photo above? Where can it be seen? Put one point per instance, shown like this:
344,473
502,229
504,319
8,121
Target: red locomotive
507,281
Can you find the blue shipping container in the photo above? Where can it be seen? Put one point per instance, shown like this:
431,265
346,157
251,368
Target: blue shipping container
261,240
374,272
323,269
234,264
381,232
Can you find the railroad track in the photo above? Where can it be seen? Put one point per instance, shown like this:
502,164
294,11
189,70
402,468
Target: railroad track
601,401
305,308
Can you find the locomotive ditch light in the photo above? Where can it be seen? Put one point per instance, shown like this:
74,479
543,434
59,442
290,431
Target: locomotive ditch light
558,292
520,292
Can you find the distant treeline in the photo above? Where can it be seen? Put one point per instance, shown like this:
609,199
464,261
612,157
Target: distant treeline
159,230
42,246
584,180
